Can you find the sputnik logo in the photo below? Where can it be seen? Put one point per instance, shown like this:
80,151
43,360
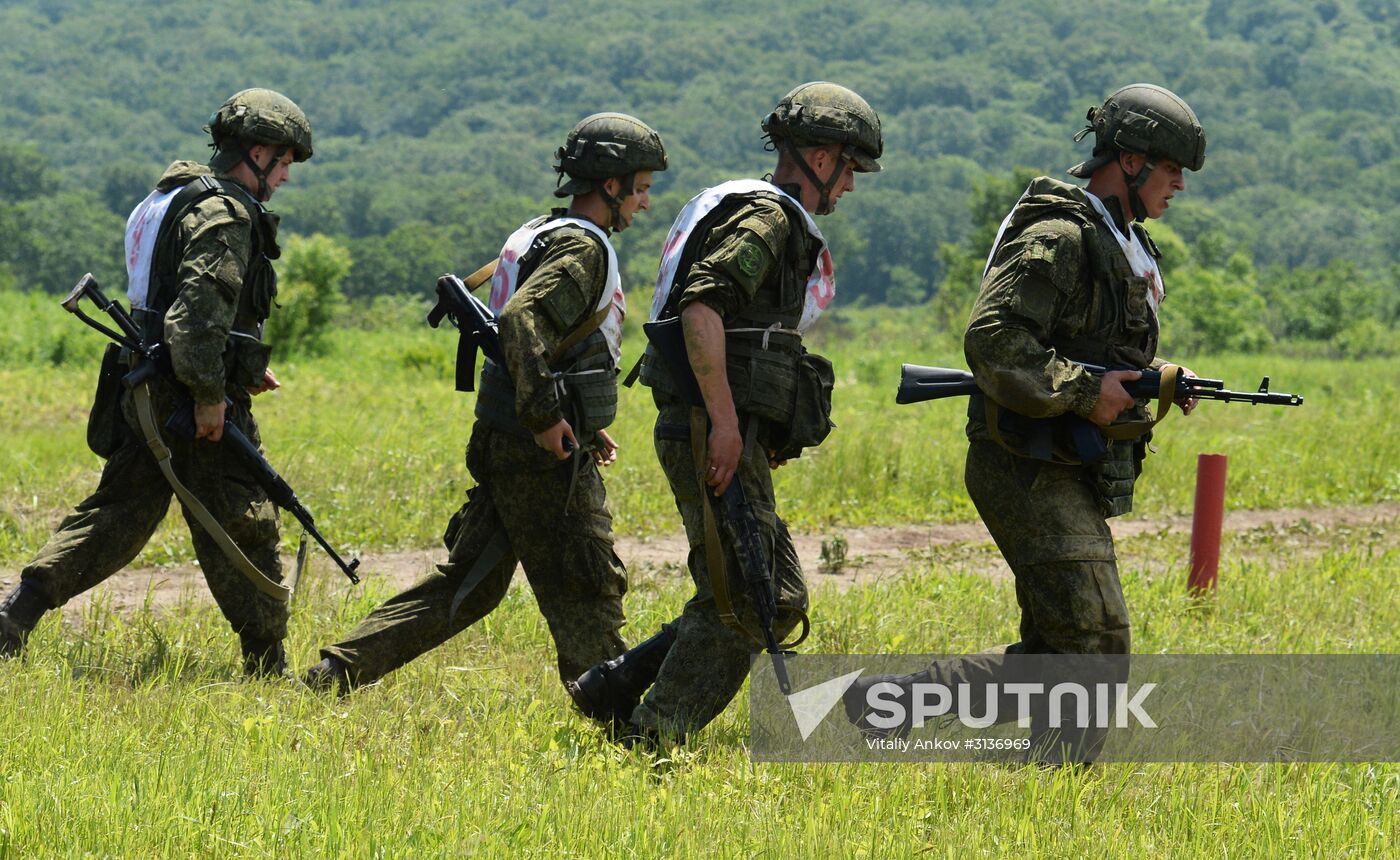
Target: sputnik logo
810,706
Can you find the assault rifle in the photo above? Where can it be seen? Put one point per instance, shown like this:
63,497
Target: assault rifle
475,323
733,507
918,383
155,361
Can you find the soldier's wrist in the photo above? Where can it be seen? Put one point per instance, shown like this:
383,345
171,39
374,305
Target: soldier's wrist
1084,394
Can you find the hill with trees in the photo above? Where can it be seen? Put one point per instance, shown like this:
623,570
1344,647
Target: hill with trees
436,124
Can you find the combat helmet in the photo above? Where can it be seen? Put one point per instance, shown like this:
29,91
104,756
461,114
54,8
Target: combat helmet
256,117
1144,119
603,146
820,113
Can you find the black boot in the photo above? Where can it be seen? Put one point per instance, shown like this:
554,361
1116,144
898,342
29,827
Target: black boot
20,613
329,675
263,658
610,691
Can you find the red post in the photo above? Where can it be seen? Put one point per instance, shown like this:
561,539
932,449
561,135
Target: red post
1206,522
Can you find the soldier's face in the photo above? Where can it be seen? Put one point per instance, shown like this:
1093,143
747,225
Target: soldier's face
1157,191
638,200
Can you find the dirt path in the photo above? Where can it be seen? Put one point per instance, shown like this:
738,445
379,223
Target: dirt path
871,553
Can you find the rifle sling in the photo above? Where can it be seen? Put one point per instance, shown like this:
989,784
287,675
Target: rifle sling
715,556
586,328
480,276
491,555
146,416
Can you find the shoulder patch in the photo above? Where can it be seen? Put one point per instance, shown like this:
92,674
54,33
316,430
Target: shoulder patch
750,259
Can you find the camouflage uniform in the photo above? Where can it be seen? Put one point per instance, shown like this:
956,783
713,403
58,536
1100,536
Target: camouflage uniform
220,289
1058,286
745,262
521,491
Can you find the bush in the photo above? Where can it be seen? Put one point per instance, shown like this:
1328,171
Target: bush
308,294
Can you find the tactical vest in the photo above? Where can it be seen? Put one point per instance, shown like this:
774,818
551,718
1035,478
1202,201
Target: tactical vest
585,378
762,345
245,355
1118,329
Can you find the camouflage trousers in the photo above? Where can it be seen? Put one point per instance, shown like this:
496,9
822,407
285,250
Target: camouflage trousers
106,531
709,661
577,579
1046,520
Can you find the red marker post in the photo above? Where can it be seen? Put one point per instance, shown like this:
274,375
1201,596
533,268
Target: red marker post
1206,522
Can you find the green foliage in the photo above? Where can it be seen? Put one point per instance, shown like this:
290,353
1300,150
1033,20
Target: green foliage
310,273
436,124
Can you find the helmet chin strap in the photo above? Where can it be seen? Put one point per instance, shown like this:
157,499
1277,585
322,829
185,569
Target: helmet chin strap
823,186
261,173
1135,184
615,203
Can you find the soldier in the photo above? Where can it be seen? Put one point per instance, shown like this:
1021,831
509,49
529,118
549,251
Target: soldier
199,251
748,271
1072,274
539,497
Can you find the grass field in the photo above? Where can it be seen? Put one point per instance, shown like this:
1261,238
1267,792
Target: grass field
131,734
372,434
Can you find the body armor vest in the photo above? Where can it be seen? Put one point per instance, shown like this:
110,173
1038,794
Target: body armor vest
1118,329
762,345
585,379
245,355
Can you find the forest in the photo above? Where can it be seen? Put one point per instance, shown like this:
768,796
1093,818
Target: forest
436,124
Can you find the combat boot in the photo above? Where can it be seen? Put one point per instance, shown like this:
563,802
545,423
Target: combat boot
329,675
20,613
610,691
859,712
263,658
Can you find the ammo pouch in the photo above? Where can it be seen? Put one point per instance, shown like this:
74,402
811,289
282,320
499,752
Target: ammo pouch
811,415
762,366
593,395
106,428
1113,476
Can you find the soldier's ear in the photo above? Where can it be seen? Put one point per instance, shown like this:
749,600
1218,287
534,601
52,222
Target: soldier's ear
613,186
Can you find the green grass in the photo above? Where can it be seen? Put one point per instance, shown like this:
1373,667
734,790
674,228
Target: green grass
132,736
372,435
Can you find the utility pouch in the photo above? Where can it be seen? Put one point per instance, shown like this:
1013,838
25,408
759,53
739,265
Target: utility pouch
765,384
1114,475
106,428
593,394
811,415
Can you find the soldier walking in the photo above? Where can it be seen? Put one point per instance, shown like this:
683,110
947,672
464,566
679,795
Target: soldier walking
747,270
199,254
540,431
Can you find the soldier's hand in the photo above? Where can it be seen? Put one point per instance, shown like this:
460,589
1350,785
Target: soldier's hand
773,461
1113,398
552,440
722,460
209,421
607,455
269,383
1187,404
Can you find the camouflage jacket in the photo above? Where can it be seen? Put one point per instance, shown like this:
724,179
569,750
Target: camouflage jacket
1058,287
213,327
555,299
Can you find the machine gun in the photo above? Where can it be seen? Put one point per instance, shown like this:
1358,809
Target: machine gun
154,361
